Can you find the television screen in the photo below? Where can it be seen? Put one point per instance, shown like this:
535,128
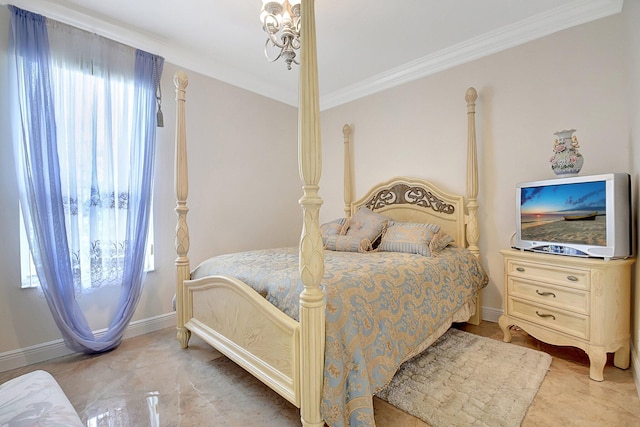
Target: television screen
566,213
586,216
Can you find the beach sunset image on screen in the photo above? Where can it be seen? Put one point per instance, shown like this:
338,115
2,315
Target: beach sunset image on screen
570,213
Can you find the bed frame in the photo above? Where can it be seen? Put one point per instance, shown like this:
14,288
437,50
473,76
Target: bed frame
285,354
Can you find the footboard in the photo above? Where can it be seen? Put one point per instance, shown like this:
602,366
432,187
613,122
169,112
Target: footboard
241,324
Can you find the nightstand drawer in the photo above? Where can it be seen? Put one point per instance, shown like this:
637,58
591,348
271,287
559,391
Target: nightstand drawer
581,302
558,320
544,293
572,277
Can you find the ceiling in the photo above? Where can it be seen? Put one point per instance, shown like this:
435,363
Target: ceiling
364,46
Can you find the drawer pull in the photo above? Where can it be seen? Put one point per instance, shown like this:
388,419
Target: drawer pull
572,278
545,294
520,269
546,315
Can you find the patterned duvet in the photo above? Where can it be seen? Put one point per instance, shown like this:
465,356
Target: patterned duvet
381,306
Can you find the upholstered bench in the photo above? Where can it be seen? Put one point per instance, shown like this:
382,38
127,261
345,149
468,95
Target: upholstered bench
35,399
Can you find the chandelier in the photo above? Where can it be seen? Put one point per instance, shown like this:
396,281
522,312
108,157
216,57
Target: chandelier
281,21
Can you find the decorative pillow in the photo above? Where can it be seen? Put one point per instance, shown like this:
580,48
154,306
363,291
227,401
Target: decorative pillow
333,228
368,223
364,229
348,243
440,241
409,237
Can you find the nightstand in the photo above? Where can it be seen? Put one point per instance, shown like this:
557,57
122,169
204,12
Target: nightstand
570,301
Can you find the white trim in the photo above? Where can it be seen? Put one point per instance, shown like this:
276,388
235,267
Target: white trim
50,350
563,17
184,56
535,27
491,314
53,349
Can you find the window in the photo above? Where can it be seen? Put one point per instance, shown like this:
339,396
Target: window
29,276
93,102
84,117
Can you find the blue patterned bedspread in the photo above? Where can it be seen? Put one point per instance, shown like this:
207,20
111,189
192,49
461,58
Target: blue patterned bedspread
380,307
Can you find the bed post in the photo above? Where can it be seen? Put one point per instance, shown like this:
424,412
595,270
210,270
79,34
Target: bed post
348,171
473,231
183,273
312,304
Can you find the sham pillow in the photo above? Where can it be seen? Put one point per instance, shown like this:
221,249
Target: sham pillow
333,228
367,223
413,238
364,229
440,241
348,243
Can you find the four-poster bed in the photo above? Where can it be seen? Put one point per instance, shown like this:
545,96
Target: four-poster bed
287,351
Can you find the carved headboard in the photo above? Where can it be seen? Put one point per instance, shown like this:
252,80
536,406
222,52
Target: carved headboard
417,200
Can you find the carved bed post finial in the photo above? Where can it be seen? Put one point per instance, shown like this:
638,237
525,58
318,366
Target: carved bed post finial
181,177
312,304
348,171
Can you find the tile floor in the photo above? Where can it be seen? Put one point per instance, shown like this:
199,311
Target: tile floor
150,381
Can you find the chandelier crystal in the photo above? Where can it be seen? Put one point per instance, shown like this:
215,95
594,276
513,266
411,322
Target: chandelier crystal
281,21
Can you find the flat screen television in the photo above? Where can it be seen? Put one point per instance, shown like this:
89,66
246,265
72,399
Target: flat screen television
588,216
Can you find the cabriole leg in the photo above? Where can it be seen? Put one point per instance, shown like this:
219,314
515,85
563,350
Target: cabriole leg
503,322
597,359
183,336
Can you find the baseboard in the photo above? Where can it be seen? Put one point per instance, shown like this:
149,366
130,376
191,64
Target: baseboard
50,350
53,349
491,314
635,368
151,324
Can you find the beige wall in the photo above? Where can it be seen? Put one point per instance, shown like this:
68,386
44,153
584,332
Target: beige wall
572,79
631,13
244,188
239,142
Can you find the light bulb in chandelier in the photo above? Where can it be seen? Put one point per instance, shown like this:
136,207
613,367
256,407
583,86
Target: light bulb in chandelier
281,21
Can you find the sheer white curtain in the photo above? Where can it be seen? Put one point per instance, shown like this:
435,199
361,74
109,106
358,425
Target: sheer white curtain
94,94
85,128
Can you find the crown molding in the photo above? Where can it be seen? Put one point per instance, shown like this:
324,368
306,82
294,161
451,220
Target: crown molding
182,56
538,26
84,20
557,19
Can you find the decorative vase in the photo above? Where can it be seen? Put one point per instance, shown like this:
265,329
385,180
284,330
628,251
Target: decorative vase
566,159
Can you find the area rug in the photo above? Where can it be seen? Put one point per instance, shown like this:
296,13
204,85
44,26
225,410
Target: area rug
468,380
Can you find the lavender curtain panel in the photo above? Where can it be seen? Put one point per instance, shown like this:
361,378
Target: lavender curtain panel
36,146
